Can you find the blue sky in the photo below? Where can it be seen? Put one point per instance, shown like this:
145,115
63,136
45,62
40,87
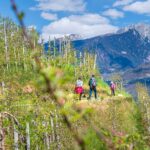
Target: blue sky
87,18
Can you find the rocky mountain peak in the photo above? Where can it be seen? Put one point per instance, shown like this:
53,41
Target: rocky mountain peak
143,29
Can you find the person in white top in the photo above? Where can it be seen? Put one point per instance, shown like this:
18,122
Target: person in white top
79,82
79,87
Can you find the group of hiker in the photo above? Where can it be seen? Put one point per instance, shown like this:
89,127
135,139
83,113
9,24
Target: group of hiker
92,87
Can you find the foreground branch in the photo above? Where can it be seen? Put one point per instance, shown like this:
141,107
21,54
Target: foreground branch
51,91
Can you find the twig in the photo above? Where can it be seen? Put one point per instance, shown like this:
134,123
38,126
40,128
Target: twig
51,91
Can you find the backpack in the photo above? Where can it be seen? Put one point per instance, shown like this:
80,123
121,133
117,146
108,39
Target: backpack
92,83
112,86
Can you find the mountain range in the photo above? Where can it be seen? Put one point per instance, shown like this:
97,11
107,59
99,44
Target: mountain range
126,52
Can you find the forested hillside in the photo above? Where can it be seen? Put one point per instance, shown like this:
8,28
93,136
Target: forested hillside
38,107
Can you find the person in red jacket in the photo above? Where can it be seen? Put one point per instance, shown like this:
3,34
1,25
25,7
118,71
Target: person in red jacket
79,87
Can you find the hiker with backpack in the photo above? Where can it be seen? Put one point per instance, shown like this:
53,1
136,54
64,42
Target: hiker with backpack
79,87
92,87
112,88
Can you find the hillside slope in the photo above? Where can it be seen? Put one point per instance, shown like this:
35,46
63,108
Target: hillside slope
39,110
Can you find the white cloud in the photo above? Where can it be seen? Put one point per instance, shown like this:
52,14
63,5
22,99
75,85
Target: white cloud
89,19
49,16
60,5
87,25
122,2
113,13
139,7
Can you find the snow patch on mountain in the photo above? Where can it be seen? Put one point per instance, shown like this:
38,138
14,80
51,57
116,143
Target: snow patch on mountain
148,59
74,37
124,52
143,29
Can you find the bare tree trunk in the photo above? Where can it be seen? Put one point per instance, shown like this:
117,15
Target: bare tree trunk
84,59
66,49
42,44
3,87
88,63
6,47
75,62
147,115
37,147
60,50
46,137
57,133
49,46
2,136
80,59
63,47
15,56
69,45
47,140
16,139
52,129
19,58
95,59
23,51
27,137
54,49
131,147
34,44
